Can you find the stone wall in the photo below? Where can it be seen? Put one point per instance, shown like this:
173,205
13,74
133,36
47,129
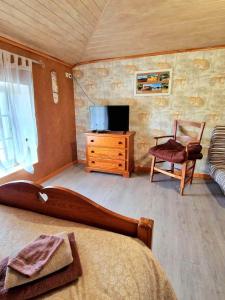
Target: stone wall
198,94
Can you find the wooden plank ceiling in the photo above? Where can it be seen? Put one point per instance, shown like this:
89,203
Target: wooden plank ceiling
84,30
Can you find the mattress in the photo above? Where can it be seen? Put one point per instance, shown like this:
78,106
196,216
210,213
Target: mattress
114,266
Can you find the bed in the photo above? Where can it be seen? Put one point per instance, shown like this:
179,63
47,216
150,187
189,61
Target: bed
114,250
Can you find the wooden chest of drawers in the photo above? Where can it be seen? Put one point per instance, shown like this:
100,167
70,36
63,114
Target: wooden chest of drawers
110,152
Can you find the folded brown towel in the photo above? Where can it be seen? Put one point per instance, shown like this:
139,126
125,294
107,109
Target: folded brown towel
32,258
40,286
61,258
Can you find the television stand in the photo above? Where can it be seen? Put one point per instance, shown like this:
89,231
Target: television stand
110,152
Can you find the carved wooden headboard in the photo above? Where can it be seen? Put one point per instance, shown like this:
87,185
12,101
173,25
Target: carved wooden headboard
65,204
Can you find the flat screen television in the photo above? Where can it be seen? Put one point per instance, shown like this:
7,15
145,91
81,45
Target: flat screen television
109,118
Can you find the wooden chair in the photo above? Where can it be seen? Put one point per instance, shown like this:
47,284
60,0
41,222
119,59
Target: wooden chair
189,149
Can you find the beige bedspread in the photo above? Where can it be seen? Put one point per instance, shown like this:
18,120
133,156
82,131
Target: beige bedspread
114,266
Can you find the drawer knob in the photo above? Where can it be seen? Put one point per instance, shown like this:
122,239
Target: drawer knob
92,151
120,143
120,154
92,141
120,165
93,162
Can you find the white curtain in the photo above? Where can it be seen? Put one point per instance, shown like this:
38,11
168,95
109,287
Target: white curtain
18,131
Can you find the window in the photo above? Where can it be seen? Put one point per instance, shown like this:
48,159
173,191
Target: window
18,133
6,139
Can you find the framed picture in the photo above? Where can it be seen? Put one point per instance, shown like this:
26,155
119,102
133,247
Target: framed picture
153,83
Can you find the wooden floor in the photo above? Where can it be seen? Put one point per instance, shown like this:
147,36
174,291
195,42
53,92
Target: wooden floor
189,236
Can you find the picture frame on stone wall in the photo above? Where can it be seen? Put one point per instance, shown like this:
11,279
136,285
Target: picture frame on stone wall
153,83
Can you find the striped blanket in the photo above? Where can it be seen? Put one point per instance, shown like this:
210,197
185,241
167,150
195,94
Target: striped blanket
216,156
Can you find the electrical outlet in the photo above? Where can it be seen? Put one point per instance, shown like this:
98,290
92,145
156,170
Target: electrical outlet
68,75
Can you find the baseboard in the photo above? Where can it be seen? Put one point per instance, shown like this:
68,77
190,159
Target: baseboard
81,161
56,172
146,169
141,169
202,176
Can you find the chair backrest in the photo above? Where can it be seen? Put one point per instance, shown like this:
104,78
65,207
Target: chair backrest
216,155
188,131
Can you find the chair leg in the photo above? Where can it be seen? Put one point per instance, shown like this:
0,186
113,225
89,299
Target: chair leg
152,168
183,175
192,173
172,168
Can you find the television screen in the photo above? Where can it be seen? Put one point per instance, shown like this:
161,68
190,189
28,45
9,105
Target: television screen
109,118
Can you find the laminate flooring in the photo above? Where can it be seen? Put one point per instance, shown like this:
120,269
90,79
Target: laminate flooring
189,233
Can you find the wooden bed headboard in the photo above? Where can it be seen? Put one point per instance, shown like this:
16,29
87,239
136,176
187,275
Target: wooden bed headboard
65,204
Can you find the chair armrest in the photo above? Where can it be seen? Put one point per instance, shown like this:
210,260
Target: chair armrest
161,137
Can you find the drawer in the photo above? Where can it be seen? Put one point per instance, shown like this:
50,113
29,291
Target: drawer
107,164
110,153
106,141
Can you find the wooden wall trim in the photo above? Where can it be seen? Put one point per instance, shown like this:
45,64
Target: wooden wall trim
141,169
33,51
81,161
56,172
150,54
43,54
145,169
202,176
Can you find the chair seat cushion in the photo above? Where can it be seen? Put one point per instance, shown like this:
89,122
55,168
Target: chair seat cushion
175,152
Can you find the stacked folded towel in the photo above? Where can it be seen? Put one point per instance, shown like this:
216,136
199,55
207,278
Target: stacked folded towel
45,264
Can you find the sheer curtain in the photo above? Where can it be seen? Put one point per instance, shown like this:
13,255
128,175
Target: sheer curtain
18,131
